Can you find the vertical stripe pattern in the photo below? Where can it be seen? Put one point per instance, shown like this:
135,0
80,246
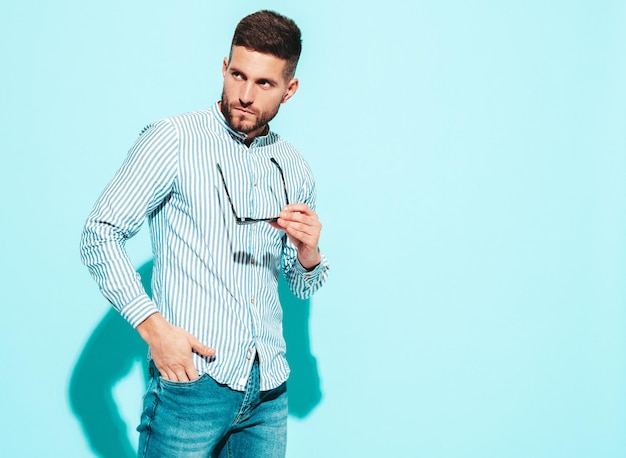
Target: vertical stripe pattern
212,277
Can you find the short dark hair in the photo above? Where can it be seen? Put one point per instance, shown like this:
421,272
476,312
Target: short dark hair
270,33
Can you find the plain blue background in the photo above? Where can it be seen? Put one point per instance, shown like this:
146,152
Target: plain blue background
470,159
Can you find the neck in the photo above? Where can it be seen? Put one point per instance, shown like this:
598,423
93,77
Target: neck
261,131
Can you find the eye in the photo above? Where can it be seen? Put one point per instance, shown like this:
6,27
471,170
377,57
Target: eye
265,84
237,75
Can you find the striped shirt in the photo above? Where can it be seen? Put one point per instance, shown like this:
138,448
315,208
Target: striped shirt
214,278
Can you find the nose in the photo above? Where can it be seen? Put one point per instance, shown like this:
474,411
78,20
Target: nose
246,96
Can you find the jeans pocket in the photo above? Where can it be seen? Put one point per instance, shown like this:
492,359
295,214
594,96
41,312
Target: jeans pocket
170,384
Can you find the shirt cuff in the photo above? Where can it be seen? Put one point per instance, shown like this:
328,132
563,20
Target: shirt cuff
311,276
140,308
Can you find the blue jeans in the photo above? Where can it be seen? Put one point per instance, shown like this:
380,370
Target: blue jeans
203,418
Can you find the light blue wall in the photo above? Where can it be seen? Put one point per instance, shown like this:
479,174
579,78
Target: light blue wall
470,159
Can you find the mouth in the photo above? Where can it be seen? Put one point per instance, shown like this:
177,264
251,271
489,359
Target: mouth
243,110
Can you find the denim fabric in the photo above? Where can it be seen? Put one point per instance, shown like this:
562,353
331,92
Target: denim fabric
203,418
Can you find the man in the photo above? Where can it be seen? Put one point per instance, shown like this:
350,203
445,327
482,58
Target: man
230,206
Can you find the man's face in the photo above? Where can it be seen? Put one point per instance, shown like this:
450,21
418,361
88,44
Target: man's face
254,87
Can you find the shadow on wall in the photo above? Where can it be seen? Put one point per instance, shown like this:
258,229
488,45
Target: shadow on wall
114,347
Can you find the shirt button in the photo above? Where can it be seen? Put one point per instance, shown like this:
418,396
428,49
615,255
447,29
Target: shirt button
252,300
252,261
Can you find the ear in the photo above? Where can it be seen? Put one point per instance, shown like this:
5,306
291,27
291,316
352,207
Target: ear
224,66
292,87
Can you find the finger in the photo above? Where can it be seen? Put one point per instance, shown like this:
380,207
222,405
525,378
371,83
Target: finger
302,208
181,375
300,221
175,372
291,217
299,211
191,373
169,375
164,375
294,215
298,235
302,232
300,226
163,372
199,348
308,226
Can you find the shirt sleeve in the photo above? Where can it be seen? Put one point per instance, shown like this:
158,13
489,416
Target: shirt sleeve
303,283
138,188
